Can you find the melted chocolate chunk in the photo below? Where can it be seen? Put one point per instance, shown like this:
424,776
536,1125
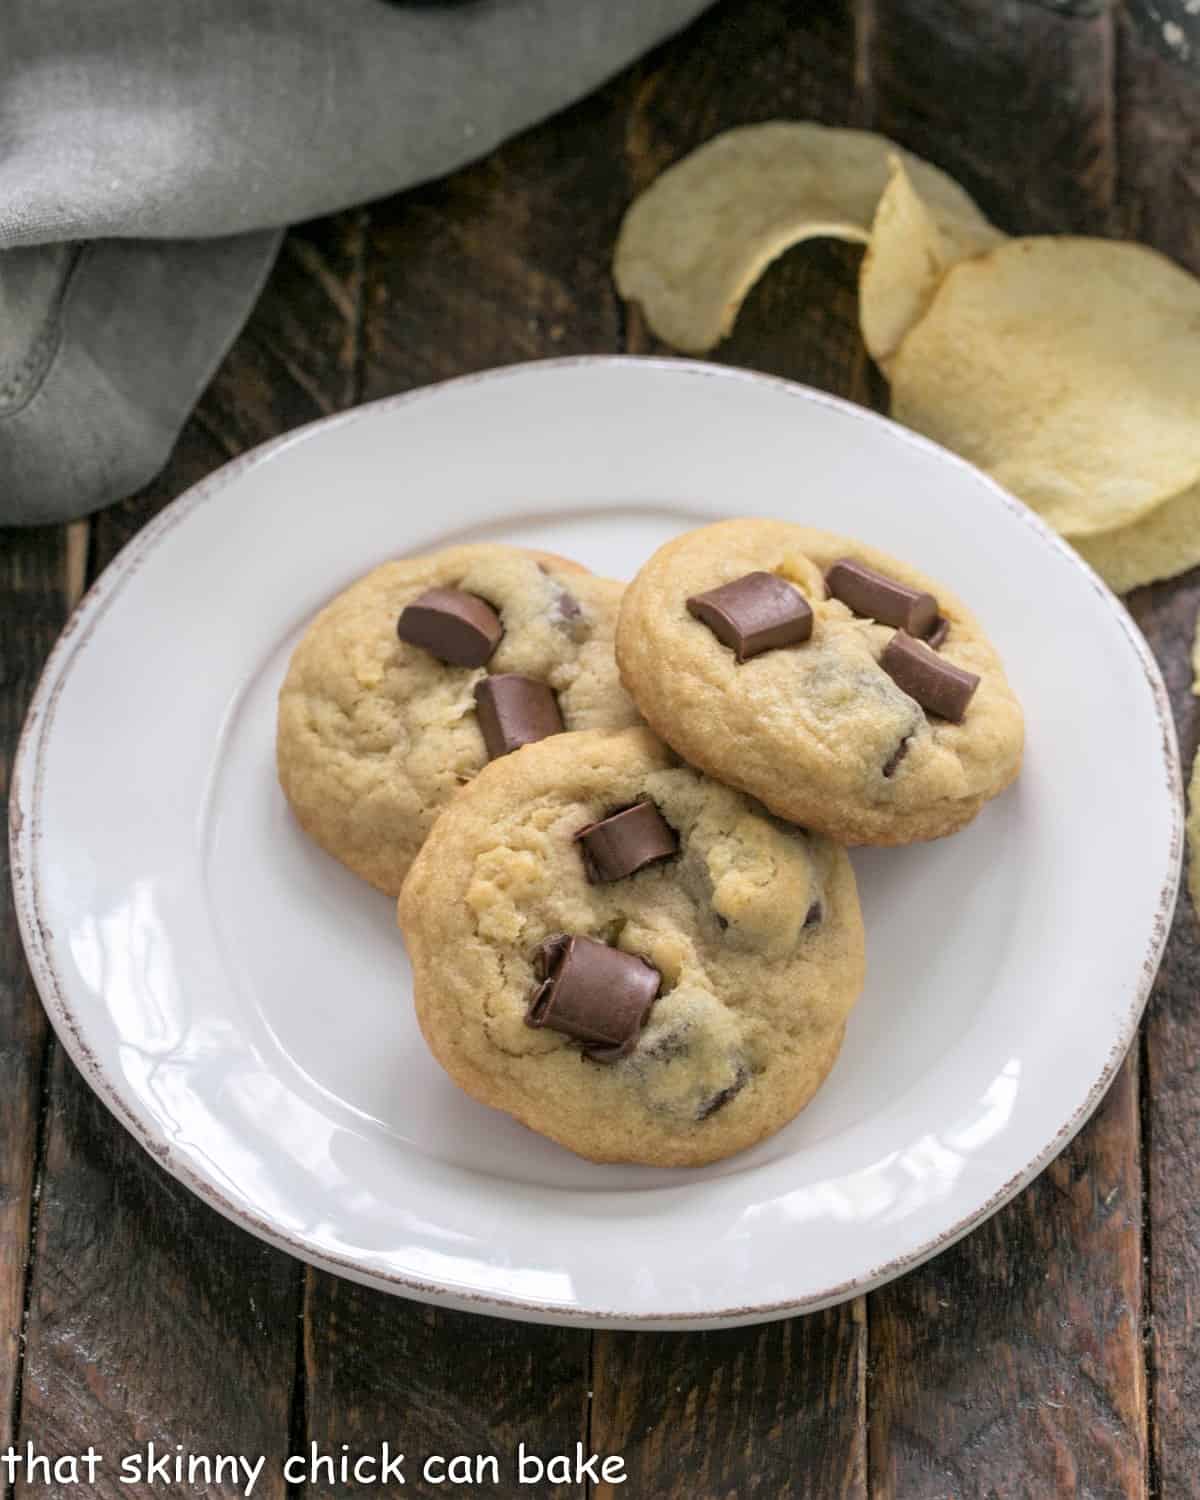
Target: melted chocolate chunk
938,687
626,842
452,625
875,596
513,711
567,607
814,914
936,637
548,953
720,1099
757,613
598,995
894,759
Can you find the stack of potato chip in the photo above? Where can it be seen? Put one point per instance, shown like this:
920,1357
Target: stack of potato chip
1068,368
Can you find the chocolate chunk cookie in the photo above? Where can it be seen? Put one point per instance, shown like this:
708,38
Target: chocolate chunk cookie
630,958
406,684
842,688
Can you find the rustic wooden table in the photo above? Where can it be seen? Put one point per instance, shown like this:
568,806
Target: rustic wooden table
1054,1351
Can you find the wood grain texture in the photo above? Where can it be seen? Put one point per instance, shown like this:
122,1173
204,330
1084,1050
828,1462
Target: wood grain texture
1012,1364
751,1413
1167,614
505,261
1159,137
150,1317
778,1409
744,63
1014,100
437,1382
36,590
1159,140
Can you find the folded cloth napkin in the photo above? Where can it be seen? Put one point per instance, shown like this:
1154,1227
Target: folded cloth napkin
150,150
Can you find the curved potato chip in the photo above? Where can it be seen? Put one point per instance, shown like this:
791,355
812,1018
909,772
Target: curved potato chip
695,242
907,255
1163,542
1069,369
1193,835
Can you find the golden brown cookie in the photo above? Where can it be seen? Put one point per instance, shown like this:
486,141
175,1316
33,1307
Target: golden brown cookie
375,735
704,998
845,729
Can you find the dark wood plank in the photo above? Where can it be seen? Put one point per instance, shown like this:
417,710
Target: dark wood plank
751,1413
440,1383
1012,1364
38,584
1159,143
1014,100
1171,1104
150,1317
778,1409
1159,137
742,64
507,260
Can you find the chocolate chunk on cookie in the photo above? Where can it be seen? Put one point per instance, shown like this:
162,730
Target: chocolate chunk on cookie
593,993
875,596
757,613
515,710
454,626
862,740
939,687
378,727
617,1016
626,842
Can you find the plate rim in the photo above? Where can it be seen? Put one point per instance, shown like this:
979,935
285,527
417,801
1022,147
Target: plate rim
24,832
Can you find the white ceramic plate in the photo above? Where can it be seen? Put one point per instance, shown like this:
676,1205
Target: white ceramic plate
242,1003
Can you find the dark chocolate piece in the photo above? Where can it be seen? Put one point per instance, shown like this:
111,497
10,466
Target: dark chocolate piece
720,1099
569,616
937,686
875,596
941,629
757,613
626,842
567,607
452,625
549,951
514,711
894,759
596,994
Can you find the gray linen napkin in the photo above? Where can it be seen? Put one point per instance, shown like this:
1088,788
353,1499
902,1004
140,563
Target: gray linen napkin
149,150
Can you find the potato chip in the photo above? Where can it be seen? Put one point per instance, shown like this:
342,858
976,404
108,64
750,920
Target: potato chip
908,254
1069,369
1193,835
1160,544
695,242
